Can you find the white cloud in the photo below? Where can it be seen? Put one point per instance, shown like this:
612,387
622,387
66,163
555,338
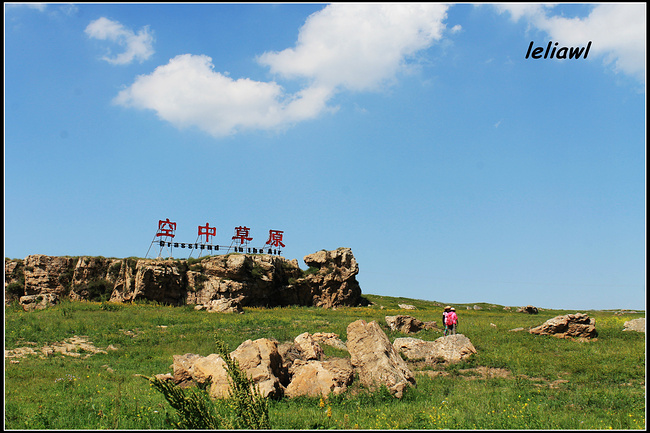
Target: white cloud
38,6
188,92
137,46
617,32
358,46
342,47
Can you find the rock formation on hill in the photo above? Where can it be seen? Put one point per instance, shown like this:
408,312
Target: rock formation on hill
232,280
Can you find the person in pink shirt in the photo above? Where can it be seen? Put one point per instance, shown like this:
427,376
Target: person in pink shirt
444,319
451,321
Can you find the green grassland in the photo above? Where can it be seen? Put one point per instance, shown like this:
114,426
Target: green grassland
546,382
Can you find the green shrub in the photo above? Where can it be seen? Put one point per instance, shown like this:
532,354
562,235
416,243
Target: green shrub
114,270
98,290
245,407
16,288
193,407
257,272
310,271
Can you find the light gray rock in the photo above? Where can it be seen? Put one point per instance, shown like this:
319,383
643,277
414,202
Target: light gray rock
404,323
576,325
308,347
262,362
637,325
375,359
451,348
319,378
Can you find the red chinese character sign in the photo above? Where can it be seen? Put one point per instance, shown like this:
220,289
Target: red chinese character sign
166,228
207,231
275,238
166,233
242,234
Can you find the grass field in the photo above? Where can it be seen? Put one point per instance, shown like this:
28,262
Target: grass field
543,382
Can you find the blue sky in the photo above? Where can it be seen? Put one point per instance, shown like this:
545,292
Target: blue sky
417,135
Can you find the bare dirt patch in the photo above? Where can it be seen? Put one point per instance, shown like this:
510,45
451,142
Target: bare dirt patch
77,347
482,372
471,373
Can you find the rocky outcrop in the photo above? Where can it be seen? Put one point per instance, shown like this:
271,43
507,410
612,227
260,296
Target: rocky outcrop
48,275
76,347
217,283
375,359
333,282
255,280
451,349
528,309
155,280
14,280
94,278
576,325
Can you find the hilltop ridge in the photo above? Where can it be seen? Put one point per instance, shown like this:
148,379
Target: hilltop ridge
240,279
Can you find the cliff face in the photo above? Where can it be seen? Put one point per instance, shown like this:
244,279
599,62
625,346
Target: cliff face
249,280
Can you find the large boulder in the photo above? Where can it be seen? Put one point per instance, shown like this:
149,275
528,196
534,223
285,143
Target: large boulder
637,325
259,359
262,362
191,369
182,367
405,324
214,369
222,305
375,359
319,378
414,348
38,302
451,349
329,338
308,347
576,325
528,309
